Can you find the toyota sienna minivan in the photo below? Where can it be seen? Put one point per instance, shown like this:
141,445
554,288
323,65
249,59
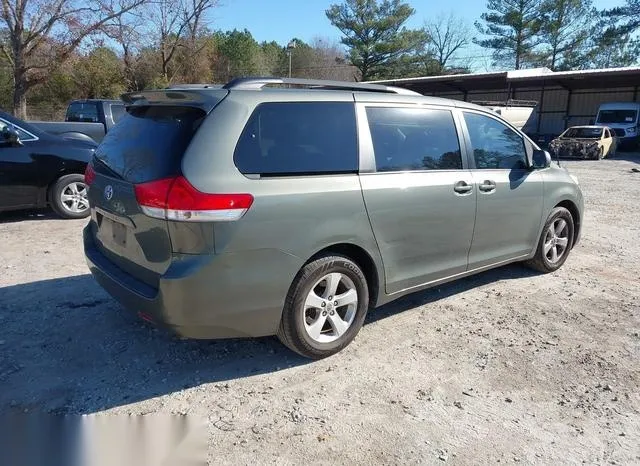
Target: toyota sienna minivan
291,207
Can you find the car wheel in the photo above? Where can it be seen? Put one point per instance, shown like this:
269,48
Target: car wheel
325,307
68,197
555,242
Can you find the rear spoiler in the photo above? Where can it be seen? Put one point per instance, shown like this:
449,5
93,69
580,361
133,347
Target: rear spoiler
205,99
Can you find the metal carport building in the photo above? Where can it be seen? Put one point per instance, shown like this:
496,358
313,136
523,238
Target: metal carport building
564,99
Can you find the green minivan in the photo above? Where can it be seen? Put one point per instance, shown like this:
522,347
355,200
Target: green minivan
291,207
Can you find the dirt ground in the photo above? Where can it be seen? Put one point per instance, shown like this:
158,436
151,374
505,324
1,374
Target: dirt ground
508,366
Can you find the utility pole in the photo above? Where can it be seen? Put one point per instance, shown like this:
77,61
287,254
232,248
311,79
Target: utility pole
290,46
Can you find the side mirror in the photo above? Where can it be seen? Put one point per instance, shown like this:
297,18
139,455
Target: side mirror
541,159
10,136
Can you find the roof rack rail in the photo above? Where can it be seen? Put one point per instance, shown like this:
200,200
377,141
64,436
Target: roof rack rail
260,82
506,103
194,86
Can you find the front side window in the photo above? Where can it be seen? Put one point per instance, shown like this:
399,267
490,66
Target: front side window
408,139
494,144
288,138
22,134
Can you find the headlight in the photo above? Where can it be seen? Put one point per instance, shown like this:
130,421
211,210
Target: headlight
631,130
574,178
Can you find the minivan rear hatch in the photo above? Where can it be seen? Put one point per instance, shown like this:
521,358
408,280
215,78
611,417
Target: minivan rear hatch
145,148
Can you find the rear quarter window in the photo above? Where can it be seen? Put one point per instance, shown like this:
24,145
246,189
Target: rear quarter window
287,138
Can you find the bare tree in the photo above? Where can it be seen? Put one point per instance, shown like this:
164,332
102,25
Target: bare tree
176,20
44,33
446,36
127,31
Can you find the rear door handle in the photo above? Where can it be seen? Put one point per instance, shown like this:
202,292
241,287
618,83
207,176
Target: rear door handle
487,186
462,187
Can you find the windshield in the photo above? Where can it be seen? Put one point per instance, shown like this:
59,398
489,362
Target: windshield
617,116
86,112
583,133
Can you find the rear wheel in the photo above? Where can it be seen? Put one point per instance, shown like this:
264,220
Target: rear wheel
68,197
325,307
555,242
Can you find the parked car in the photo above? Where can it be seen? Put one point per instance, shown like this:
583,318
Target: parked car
87,119
623,118
38,169
585,142
252,211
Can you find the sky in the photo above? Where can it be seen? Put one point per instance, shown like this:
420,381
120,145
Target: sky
282,20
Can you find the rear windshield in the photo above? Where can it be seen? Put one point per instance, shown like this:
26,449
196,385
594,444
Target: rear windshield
288,138
86,112
149,142
617,116
584,133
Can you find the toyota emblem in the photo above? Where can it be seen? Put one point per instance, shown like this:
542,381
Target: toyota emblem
108,192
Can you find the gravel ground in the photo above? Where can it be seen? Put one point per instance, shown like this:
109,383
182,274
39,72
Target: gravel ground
507,366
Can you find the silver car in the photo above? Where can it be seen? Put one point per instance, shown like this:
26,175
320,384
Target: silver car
292,207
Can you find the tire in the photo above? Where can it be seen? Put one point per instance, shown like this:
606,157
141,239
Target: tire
541,261
307,326
73,188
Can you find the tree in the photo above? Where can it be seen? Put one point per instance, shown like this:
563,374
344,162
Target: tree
566,27
375,34
42,34
237,54
174,20
99,75
611,47
627,16
127,31
512,27
446,36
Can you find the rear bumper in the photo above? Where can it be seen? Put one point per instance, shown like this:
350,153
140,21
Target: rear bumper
205,297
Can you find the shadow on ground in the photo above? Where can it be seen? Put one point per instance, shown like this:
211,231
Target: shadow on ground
67,347
22,215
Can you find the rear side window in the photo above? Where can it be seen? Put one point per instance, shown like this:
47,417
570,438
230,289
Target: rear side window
117,112
286,138
494,144
150,143
86,112
406,139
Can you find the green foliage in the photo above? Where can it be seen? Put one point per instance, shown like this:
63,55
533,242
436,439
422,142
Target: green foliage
376,37
566,27
99,74
627,17
511,28
237,55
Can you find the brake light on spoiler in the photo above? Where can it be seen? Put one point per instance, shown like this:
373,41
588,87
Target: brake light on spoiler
176,199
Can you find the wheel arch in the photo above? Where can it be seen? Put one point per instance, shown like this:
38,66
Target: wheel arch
73,170
364,260
575,213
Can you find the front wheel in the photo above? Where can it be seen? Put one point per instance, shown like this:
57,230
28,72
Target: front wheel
68,197
325,307
555,242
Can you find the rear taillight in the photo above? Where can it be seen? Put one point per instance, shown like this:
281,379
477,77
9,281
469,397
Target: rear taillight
89,175
177,199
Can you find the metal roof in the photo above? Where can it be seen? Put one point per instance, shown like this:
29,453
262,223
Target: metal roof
573,80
